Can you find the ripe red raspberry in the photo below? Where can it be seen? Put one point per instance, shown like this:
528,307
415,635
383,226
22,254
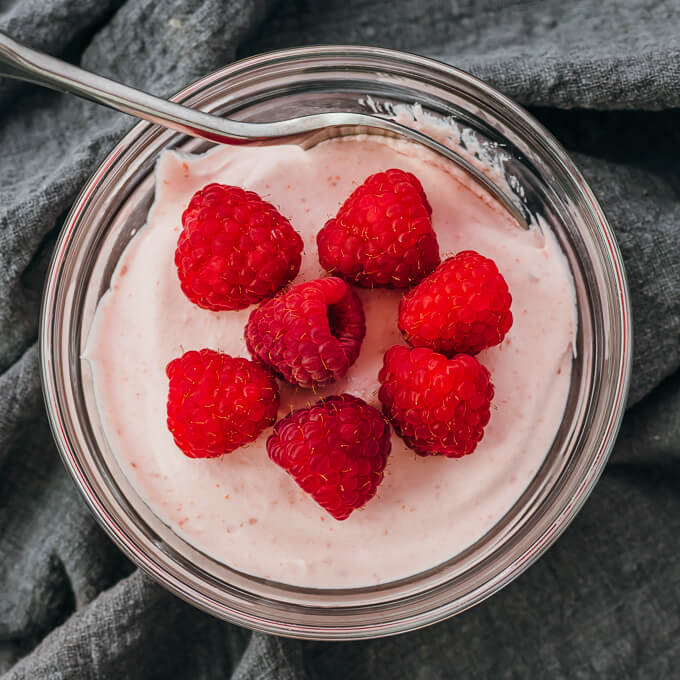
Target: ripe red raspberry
463,306
336,451
437,405
235,249
217,403
309,335
382,236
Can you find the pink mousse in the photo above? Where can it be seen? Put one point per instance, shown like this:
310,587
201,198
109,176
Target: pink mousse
242,509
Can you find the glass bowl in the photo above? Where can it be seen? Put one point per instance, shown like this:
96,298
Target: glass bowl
545,183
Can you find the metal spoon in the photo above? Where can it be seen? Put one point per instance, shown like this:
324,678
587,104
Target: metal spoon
22,63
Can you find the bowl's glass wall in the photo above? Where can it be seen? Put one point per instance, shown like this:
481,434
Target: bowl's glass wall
113,207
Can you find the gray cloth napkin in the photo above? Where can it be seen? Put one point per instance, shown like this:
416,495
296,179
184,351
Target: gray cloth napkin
605,600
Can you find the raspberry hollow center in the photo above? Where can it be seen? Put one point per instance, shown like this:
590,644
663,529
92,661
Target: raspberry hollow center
346,321
334,321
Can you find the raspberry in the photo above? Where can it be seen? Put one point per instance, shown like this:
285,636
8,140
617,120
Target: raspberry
336,451
217,403
437,405
382,235
463,306
309,335
235,249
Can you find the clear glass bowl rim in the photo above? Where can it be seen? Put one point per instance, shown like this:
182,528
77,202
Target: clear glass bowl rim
558,156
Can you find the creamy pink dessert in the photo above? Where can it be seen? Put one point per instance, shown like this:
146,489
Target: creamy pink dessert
242,509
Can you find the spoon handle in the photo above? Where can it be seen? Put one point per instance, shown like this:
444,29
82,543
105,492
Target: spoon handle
22,63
